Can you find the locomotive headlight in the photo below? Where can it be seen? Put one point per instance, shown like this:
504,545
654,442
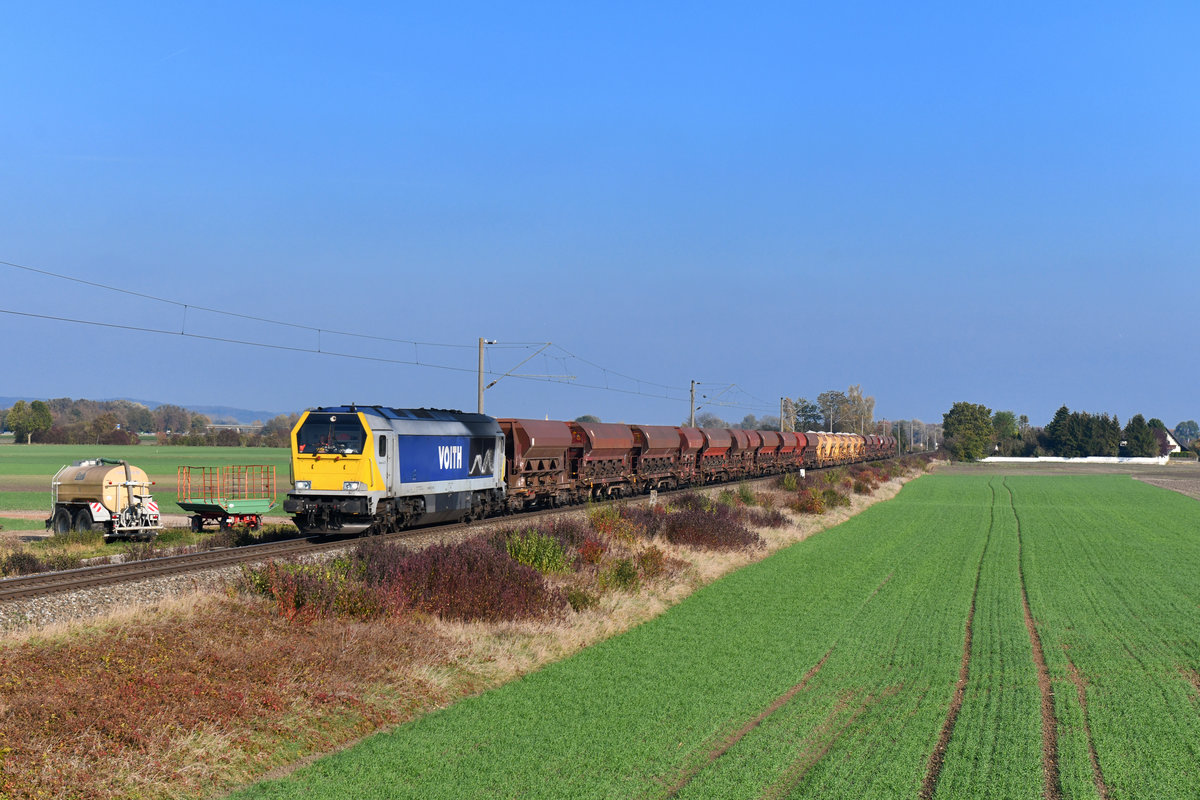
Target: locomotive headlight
352,486
303,485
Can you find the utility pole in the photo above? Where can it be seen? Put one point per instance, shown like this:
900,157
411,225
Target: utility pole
692,408
482,342
781,415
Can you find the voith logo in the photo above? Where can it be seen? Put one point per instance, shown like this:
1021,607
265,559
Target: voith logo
450,457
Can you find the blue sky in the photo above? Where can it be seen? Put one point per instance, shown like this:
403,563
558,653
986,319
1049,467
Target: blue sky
939,202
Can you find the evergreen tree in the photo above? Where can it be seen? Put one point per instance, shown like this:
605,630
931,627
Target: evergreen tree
1140,441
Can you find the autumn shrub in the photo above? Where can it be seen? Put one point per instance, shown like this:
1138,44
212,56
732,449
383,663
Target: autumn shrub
466,581
808,502
690,501
607,521
569,531
718,529
539,550
305,592
59,561
652,562
22,562
140,551
592,550
834,499
581,599
727,498
647,520
746,495
766,518
863,487
788,482
621,574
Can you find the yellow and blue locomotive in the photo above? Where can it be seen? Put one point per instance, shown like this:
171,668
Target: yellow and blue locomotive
374,469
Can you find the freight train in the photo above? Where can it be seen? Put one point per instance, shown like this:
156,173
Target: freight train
375,469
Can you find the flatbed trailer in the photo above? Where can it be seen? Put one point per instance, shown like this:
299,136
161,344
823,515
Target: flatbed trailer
239,494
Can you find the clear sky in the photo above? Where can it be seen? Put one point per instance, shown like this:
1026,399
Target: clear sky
994,203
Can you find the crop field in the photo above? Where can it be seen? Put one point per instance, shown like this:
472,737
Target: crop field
978,636
27,470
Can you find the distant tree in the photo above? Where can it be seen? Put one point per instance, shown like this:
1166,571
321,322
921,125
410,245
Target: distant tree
1059,435
833,407
749,423
101,426
859,413
708,419
587,418
1004,427
968,431
172,418
3,417
198,423
768,423
24,420
1186,432
1140,441
1155,422
808,414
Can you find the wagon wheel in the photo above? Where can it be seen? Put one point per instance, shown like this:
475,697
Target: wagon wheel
197,523
61,522
224,523
255,522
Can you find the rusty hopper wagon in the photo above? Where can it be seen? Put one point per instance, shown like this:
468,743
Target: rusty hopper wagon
232,495
104,494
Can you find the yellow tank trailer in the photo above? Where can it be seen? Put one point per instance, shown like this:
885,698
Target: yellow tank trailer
106,495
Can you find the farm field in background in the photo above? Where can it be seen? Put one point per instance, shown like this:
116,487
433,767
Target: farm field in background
1066,606
26,470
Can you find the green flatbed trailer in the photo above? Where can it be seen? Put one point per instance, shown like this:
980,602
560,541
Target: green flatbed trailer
235,495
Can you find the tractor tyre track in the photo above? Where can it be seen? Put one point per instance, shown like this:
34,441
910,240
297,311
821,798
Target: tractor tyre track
1080,691
735,737
938,756
1050,770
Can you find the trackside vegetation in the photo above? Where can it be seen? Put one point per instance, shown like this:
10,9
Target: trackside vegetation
1066,606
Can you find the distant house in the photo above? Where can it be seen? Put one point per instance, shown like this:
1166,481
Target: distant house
1167,443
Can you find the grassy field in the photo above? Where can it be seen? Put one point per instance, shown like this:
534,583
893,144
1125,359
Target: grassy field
979,636
27,470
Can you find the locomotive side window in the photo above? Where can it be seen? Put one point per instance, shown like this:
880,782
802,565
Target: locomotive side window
331,433
382,446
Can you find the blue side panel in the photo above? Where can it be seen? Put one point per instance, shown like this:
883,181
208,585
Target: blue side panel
445,458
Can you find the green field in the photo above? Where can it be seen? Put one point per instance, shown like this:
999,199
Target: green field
830,669
27,470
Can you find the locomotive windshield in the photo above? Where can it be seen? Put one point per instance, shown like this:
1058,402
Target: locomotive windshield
331,433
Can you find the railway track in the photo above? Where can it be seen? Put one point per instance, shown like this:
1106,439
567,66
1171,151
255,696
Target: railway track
24,587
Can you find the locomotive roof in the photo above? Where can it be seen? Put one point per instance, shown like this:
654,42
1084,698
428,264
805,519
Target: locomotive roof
443,414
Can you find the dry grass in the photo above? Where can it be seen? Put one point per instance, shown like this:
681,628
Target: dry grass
205,692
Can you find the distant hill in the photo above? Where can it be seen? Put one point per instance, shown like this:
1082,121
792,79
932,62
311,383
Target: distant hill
215,413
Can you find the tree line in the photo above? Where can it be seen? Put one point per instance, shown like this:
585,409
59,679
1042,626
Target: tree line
973,432
123,422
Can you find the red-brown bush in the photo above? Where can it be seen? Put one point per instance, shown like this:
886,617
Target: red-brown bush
719,529
467,581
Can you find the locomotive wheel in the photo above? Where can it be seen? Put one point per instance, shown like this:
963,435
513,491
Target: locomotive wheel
197,523
61,522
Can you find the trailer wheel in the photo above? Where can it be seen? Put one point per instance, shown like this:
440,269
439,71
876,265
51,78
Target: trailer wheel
61,521
83,521
197,523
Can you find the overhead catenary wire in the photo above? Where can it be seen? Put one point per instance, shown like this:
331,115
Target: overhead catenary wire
321,348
